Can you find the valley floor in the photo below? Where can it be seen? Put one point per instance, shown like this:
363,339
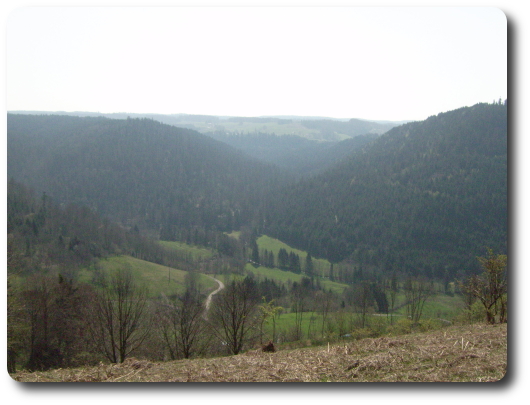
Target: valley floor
475,353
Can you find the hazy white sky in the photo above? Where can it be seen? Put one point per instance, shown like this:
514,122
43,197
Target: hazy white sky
348,62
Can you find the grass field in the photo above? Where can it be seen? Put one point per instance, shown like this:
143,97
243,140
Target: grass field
196,252
234,234
284,276
321,266
440,306
157,278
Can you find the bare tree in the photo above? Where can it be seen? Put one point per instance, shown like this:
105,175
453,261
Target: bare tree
17,313
363,301
392,290
490,287
325,302
417,291
56,325
234,314
182,325
119,325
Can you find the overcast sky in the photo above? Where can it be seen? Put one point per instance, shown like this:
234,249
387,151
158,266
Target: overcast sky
371,63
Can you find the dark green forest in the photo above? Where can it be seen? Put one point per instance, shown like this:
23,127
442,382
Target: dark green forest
139,172
300,156
426,197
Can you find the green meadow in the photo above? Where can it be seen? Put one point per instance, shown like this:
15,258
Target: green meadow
285,276
157,278
271,244
196,252
439,306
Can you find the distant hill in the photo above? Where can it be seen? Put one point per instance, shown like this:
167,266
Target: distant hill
426,197
300,156
138,171
316,128
331,129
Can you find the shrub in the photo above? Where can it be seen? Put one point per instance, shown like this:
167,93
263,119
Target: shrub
401,327
476,313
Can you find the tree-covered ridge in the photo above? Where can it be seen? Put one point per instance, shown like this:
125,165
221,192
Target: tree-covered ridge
298,155
138,171
44,236
425,197
319,128
333,129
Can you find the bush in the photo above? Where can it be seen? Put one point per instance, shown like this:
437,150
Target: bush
475,314
363,333
401,327
428,324
379,325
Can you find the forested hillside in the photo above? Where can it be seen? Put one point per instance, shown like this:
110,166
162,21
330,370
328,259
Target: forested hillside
426,197
43,236
300,156
138,171
315,128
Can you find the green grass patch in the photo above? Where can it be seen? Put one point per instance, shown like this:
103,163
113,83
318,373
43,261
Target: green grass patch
439,306
311,326
196,252
284,276
157,278
321,266
443,306
277,275
234,234
227,278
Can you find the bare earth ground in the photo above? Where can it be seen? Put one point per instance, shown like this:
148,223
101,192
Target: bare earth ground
476,353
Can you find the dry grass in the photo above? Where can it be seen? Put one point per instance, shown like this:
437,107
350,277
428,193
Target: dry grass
476,353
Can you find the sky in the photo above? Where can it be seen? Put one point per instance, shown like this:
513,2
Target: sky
343,62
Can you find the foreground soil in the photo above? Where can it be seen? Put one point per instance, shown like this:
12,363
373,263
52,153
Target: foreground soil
476,353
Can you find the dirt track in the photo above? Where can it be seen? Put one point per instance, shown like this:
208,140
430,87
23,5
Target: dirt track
209,299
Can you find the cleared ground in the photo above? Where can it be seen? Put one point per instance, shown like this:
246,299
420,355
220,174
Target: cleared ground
475,353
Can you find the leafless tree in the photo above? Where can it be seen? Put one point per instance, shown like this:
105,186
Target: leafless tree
119,325
392,295
417,291
182,325
17,319
325,303
363,301
234,314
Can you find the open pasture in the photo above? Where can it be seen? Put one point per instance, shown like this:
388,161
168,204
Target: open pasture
157,278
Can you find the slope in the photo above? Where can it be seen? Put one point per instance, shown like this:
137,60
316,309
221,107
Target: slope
298,155
425,197
473,353
138,171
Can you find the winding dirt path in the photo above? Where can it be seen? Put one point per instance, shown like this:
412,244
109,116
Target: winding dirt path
209,299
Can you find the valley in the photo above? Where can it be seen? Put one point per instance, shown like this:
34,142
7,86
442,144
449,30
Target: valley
320,238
